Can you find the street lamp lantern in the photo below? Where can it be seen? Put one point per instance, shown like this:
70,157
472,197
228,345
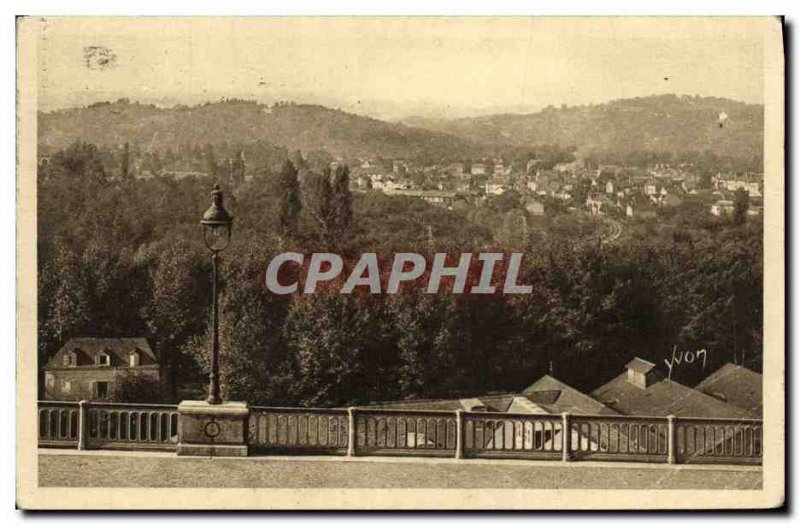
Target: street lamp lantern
217,225
217,222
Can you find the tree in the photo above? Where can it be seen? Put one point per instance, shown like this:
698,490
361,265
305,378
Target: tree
211,163
342,206
741,202
341,349
124,170
581,191
138,389
296,158
178,300
255,363
238,169
63,300
289,201
605,176
156,164
705,181
426,346
81,161
319,202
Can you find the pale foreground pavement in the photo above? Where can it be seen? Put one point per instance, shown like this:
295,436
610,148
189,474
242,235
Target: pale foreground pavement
70,468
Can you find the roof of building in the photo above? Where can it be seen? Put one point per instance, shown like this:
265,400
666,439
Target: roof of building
420,404
498,402
663,398
493,403
737,386
555,396
618,396
118,349
471,403
523,405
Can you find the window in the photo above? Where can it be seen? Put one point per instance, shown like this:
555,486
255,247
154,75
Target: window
134,359
49,380
66,386
67,359
104,360
101,389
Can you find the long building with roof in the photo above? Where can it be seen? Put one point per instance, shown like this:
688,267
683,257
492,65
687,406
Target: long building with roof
641,390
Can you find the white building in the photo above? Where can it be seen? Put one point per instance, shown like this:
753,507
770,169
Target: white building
720,208
494,188
753,188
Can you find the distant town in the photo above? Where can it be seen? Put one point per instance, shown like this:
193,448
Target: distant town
605,190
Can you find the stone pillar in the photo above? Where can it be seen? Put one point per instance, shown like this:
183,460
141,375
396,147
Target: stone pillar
671,445
83,425
212,430
566,436
459,434
351,431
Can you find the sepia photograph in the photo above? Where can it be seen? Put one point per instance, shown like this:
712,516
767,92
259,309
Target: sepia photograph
426,262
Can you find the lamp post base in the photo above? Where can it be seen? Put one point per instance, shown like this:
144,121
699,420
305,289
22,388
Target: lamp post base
212,430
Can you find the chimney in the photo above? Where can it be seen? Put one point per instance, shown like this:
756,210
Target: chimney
641,373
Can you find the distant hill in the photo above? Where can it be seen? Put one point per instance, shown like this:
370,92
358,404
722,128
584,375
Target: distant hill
294,126
656,123
665,123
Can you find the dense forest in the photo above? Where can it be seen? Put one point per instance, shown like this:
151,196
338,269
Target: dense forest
125,257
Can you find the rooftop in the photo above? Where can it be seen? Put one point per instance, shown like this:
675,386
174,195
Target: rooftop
119,349
663,398
492,402
731,392
737,386
550,392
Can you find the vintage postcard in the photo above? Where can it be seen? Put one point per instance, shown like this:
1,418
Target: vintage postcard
400,263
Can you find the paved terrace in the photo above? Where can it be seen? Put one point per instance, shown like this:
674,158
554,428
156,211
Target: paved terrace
72,468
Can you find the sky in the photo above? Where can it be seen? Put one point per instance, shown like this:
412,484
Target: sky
395,68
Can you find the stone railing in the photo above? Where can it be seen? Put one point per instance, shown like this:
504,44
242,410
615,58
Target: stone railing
518,436
459,434
718,441
298,430
58,423
404,432
621,438
85,425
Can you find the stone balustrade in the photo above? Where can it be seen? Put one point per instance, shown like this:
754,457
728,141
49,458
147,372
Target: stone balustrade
374,432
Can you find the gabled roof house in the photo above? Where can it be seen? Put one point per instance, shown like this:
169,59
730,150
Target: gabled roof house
91,368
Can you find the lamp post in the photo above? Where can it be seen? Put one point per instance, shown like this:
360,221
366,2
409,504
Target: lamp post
217,225
211,427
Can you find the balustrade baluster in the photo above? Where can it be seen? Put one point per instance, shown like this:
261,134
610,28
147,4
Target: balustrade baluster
83,417
566,436
459,434
351,431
